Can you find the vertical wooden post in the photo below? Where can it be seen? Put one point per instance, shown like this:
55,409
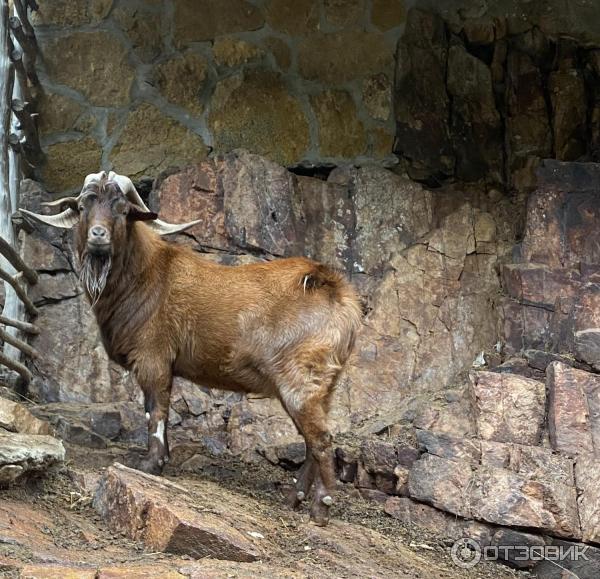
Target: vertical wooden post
11,300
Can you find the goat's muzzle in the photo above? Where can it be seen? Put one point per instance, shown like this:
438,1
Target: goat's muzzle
98,241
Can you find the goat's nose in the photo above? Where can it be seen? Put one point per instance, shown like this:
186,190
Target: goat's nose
98,233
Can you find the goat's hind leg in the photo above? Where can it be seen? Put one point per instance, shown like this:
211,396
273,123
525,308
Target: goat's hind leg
304,480
308,405
319,440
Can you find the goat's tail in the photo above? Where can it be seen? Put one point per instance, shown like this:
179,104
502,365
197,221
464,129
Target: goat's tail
321,277
342,295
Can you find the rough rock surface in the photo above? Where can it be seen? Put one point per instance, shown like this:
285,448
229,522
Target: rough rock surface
337,138
552,289
180,80
483,91
67,161
165,140
587,469
339,57
14,417
267,77
573,409
103,76
156,511
421,101
509,408
495,495
75,367
205,20
24,455
67,13
283,131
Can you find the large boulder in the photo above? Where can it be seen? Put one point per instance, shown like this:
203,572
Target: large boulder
15,417
573,409
499,483
495,495
24,455
587,479
159,513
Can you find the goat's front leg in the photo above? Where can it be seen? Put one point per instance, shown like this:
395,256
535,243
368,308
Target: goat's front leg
157,394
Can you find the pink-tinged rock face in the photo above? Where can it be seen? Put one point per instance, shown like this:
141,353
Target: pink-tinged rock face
562,216
156,511
538,284
14,417
573,409
587,477
495,495
509,408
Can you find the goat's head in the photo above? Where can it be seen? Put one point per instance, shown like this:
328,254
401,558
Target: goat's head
103,211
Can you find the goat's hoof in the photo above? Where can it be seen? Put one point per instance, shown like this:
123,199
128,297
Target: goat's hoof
295,498
150,466
319,514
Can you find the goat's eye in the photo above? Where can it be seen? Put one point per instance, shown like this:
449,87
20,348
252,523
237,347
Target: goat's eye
87,201
120,206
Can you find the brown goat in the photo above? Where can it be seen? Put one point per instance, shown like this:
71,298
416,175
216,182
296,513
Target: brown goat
283,328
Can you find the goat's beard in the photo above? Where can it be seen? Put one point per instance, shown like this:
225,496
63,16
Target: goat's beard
94,274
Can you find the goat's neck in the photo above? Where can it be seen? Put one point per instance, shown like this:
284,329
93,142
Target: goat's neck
134,262
132,290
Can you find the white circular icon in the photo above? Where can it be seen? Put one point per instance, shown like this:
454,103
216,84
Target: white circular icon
466,553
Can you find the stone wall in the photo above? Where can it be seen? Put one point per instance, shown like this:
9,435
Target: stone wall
484,90
140,86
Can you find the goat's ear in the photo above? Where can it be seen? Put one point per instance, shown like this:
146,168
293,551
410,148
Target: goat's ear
137,213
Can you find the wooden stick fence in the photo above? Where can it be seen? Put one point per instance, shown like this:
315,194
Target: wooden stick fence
19,143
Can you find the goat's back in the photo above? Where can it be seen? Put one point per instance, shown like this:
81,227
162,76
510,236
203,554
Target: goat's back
243,323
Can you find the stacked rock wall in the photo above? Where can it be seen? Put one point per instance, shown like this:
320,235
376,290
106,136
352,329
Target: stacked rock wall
145,85
516,461
484,90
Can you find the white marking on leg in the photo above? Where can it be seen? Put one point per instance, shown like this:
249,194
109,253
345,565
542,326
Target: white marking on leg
160,432
147,416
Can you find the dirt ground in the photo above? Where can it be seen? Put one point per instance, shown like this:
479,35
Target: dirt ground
52,522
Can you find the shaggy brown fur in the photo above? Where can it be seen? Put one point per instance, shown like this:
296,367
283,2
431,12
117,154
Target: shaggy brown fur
283,328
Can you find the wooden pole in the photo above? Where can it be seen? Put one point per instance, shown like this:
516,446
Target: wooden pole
7,268
18,135
23,326
15,259
13,281
28,46
18,344
32,146
15,308
16,57
12,364
21,10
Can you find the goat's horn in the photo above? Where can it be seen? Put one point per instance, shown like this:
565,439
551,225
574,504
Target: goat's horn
164,228
60,202
161,227
67,218
64,220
